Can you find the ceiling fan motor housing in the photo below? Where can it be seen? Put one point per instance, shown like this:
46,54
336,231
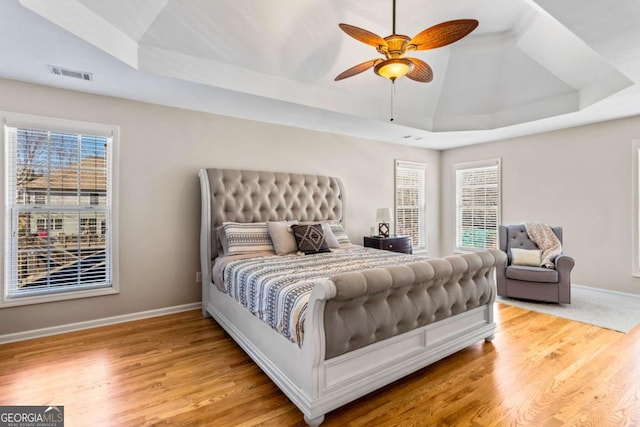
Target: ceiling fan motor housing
396,46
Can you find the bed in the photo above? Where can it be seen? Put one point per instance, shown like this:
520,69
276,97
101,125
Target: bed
360,325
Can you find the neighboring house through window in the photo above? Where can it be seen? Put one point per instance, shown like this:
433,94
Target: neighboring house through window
477,187
54,248
410,204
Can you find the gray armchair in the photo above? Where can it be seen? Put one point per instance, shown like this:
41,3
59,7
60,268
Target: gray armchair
532,283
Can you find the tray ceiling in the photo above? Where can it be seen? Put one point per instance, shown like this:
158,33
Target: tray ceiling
529,67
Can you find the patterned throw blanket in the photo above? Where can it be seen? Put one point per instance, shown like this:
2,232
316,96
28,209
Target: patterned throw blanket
277,288
543,236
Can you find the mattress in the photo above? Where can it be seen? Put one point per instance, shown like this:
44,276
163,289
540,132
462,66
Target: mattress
276,288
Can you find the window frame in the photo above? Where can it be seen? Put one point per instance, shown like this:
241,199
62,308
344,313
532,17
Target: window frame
59,125
635,197
477,164
423,209
57,224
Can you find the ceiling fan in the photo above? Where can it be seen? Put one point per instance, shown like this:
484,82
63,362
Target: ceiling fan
393,48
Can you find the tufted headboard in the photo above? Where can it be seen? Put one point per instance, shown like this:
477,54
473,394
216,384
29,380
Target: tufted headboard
256,196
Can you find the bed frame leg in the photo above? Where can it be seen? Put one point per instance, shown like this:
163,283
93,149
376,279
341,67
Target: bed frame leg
313,422
490,338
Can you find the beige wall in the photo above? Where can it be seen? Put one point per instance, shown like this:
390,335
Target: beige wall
161,150
577,178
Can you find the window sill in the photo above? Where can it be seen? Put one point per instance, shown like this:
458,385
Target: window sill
63,296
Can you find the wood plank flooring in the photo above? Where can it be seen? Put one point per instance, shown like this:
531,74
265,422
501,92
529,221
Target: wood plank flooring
183,370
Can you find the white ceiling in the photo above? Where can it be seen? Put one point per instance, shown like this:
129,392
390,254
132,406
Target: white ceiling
529,67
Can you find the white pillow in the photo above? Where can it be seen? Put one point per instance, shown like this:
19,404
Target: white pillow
329,237
526,257
282,237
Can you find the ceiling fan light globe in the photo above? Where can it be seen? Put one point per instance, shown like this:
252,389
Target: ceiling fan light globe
393,69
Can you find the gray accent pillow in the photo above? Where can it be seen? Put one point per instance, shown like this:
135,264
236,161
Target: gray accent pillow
310,238
282,236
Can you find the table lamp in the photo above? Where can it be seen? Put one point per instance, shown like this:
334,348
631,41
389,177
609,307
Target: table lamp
383,216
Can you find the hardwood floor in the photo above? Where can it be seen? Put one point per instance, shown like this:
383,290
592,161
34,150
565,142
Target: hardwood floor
183,370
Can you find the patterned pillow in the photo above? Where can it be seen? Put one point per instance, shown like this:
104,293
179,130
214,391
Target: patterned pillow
310,238
341,235
244,238
332,242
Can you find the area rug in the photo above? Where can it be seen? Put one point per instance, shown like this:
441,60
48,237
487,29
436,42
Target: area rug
609,310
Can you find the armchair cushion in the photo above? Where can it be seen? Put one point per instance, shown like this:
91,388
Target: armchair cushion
532,274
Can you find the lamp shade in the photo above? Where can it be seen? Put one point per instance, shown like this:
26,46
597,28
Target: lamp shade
393,68
384,215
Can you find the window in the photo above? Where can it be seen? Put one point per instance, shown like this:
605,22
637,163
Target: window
477,187
42,224
410,213
54,248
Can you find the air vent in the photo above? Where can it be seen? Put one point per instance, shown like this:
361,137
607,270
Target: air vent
82,75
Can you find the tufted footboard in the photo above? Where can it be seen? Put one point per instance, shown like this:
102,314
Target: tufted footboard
373,305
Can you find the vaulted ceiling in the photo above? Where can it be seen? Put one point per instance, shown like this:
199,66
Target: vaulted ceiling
529,67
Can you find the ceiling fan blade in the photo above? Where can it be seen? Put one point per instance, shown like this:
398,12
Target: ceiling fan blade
443,34
363,35
421,72
357,69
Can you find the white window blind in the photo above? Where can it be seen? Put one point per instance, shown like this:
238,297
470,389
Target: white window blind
410,215
477,204
58,212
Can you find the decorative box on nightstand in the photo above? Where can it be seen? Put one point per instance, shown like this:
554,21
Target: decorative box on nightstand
391,243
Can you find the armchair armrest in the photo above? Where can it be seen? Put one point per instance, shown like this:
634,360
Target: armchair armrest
564,264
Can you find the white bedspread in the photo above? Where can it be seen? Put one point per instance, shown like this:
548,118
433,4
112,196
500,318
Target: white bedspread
277,288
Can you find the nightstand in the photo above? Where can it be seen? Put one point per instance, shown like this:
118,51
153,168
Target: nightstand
392,243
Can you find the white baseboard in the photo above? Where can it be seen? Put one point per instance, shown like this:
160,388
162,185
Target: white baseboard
605,291
70,327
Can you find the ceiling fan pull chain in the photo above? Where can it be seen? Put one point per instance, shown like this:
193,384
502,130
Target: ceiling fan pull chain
393,92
